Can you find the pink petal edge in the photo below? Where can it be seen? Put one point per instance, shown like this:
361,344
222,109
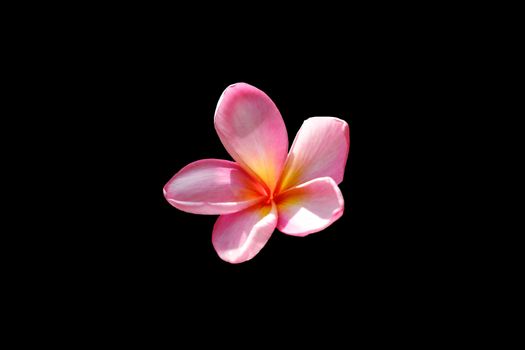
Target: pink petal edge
320,149
253,132
212,186
309,207
239,237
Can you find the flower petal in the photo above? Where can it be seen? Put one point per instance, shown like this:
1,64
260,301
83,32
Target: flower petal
319,149
252,130
309,207
212,186
239,237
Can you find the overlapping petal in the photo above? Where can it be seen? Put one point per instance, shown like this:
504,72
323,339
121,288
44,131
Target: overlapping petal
212,186
320,149
239,237
252,130
309,207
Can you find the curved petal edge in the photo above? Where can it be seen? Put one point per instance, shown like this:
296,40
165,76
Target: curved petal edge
239,237
309,207
212,186
320,149
253,132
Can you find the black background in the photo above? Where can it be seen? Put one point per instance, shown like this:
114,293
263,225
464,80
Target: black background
127,101
372,248
145,110
163,105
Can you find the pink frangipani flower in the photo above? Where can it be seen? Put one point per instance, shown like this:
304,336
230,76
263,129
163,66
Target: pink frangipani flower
266,187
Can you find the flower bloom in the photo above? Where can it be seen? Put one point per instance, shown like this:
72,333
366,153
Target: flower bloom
266,187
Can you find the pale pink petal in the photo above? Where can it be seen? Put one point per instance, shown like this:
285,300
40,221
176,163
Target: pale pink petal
319,149
212,186
239,237
309,207
252,130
